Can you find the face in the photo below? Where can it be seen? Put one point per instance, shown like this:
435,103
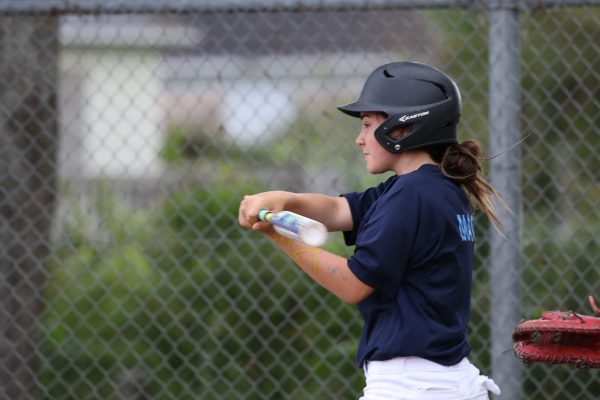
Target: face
377,159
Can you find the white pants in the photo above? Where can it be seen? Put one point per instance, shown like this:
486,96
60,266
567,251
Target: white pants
406,378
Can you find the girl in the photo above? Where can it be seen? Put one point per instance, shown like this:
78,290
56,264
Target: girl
410,273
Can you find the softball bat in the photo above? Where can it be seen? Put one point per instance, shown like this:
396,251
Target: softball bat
295,226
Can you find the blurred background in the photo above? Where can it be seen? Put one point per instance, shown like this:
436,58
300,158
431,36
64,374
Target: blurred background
130,131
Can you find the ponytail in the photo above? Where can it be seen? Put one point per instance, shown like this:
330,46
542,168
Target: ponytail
462,164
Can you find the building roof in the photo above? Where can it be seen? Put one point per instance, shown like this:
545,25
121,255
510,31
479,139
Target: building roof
262,33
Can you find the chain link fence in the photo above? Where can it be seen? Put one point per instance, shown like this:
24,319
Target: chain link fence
130,132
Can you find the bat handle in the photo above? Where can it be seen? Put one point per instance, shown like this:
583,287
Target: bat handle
265,215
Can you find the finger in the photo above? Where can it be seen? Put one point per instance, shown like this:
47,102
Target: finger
261,226
243,214
246,221
241,219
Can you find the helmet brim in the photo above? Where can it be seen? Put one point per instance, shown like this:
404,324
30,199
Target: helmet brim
355,108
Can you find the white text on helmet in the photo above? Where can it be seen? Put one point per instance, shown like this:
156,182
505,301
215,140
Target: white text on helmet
405,118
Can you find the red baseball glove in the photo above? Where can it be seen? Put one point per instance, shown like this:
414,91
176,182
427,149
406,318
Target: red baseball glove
560,338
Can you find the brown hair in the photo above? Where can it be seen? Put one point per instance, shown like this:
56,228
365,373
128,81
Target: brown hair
462,163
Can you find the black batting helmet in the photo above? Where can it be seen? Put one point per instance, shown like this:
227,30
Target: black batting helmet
410,93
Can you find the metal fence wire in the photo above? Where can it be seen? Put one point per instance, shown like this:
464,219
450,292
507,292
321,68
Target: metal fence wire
130,131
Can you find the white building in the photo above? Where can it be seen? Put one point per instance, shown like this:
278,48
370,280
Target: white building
112,120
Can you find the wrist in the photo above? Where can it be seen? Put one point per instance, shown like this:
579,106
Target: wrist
290,200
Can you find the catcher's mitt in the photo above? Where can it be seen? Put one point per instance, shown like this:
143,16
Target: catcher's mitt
560,338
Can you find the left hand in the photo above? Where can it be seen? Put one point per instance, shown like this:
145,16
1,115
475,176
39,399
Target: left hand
249,208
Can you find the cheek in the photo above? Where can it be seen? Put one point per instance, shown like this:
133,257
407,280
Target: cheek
374,145
370,138
380,154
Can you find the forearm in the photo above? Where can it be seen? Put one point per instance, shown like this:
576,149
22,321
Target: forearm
333,212
327,269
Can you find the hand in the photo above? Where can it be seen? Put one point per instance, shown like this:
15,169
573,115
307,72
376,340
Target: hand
251,205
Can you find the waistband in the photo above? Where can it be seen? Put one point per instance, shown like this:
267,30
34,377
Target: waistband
400,364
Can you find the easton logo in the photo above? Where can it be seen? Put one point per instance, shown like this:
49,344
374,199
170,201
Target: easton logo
405,118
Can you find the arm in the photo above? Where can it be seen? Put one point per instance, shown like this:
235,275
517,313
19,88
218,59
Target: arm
333,212
327,269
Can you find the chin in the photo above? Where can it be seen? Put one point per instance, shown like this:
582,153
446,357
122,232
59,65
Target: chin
375,171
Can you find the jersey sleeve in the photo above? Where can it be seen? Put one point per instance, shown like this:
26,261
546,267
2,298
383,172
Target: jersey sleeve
385,241
360,203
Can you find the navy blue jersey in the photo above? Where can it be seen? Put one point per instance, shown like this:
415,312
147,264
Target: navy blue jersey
414,245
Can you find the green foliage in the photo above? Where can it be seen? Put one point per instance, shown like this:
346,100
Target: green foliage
207,150
178,303
559,104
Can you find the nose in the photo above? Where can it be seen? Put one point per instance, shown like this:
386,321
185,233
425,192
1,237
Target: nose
360,139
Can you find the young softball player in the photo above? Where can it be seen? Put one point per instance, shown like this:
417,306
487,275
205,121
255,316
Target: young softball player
410,273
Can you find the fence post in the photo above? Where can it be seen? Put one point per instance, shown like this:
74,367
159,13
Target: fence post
505,176
28,147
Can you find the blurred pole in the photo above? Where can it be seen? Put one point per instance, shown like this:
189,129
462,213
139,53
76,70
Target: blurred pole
504,92
28,187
